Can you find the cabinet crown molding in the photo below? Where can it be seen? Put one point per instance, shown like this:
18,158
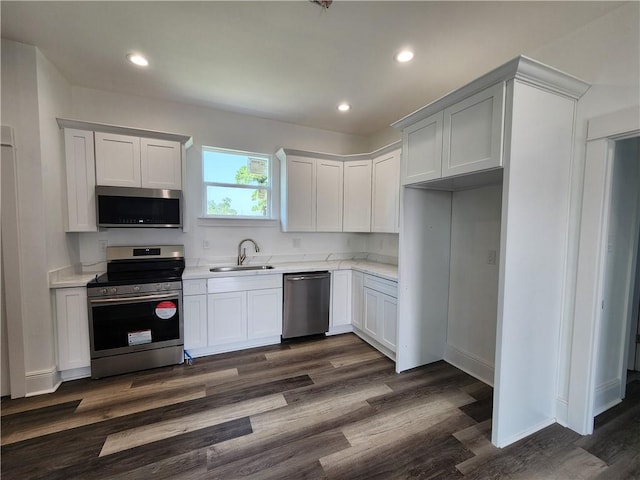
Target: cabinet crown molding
520,68
186,140
283,152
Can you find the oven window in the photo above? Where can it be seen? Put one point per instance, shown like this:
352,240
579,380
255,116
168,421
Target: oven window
132,324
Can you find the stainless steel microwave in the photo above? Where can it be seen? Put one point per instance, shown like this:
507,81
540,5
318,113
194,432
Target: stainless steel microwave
125,207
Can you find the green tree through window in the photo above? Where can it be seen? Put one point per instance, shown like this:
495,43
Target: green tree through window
236,184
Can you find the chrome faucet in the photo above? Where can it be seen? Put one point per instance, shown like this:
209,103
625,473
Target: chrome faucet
242,252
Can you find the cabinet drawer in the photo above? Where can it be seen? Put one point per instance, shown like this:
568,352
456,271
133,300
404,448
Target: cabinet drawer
194,287
240,283
382,285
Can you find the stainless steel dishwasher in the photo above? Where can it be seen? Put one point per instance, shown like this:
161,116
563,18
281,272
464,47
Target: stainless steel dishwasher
306,304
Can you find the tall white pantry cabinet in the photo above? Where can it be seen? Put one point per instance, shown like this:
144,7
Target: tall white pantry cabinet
510,133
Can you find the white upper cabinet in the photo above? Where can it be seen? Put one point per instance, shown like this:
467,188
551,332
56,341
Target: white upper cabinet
100,154
160,165
357,196
322,192
299,194
465,137
385,196
81,181
473,133
117,160
126,161
329,187
422,147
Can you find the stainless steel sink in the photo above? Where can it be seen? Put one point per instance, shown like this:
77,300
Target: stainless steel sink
240,268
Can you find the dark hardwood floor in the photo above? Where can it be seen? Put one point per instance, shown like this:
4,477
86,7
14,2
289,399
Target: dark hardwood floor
324,408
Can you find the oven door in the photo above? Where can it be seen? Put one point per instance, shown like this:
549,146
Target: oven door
126,324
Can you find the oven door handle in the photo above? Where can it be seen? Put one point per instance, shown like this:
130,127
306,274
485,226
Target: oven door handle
140,298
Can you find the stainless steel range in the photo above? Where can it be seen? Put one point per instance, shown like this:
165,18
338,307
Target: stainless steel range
135,310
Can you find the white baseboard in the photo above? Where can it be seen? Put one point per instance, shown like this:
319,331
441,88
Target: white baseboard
470,364
339,330
607,396
526,433
562,411
42,381
232,347
377,345
75,373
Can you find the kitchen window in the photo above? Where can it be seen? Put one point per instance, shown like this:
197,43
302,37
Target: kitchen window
236,184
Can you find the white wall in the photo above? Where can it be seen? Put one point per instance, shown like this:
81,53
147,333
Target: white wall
606,53
20,109
54,100
227,130
473,281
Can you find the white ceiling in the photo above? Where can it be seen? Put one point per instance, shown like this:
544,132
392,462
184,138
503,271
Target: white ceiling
291,61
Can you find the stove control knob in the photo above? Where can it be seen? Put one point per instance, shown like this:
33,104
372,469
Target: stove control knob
113,290
158,286
136,288
103,291
167,286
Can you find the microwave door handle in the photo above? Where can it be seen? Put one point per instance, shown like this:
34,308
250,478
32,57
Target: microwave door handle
142,298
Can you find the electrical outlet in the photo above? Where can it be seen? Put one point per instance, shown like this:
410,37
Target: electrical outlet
206,244
491,257
103,245
296,243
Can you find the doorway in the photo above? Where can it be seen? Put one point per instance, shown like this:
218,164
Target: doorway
620,258
606,268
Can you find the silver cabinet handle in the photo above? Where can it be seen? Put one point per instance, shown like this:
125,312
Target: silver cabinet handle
119,300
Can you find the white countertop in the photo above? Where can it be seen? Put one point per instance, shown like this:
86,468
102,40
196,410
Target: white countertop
384,270
69,279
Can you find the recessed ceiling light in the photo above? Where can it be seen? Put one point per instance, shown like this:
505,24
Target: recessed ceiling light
344,107
404,56
137,59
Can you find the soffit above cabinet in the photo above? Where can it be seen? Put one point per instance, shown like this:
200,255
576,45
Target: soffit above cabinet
520,68
186,140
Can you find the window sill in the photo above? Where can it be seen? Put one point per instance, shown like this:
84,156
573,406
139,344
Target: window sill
237,222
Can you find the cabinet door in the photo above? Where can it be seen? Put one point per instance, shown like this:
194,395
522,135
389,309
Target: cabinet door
388,314
300,195
81,181
226,317
357,300
195,321
385,197
264,313
160,164
370,313
473,133
72,328
422,150
340,298
357,196
117,160
329,191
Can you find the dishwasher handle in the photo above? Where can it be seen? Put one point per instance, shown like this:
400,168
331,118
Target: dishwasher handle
310,276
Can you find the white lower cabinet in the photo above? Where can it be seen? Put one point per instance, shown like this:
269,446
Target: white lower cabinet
357,292
340,302
226,317
376,321
264,313
231,313
72,326
195,321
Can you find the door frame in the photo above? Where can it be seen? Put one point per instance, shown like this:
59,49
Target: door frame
603,132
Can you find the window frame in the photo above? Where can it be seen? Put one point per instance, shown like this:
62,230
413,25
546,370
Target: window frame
268,187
